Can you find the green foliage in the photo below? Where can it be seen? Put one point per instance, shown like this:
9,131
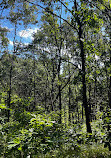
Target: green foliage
39,135
44,137
70,55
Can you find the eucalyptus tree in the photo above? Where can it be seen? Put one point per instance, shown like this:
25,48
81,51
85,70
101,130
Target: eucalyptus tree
16,13
52,43
49,41
104,8
82,17
79,20
79,14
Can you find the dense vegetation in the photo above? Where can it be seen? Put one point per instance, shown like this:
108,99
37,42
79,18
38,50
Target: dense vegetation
55,92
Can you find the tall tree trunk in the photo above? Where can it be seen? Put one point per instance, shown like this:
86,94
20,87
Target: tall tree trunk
60,105
34,104
85,104
89,101
69,96
95,91
9,94
110,79
52,90
59,69
59,89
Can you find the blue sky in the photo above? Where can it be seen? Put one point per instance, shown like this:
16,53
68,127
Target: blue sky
23,34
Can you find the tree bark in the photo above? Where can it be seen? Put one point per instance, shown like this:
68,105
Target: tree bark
85,104
59,89
34,104
9,94
110,79
69,95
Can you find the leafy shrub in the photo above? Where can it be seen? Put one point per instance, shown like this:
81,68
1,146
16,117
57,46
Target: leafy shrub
41,135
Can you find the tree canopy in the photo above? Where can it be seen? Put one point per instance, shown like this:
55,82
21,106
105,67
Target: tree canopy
55,91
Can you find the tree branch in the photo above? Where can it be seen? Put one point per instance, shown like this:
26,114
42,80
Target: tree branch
49,11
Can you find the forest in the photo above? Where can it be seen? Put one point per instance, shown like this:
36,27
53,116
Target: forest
55,91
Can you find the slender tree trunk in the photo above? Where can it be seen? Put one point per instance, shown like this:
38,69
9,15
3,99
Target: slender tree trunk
110,80
82,114
59,89
78,120
89,101
9,94
69,105
109,128
59,69
46,86
95,91
60,105
52,90
34,84
69,96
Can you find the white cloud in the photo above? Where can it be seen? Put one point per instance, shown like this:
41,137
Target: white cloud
23,44
11,43
28,33
26,44
20,44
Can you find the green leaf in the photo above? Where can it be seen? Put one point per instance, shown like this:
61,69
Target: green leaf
20,148
2,106
66,3
10,146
